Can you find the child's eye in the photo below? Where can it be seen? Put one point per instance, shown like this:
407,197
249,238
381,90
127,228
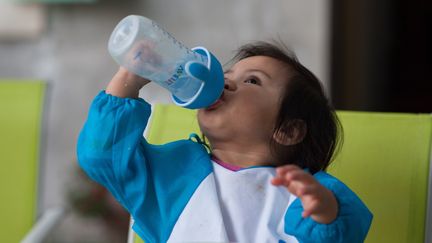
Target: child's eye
252,81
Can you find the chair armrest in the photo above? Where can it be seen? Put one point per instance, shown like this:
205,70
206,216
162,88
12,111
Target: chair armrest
43,226
131,233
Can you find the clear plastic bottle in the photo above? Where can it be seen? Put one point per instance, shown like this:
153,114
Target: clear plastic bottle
144,48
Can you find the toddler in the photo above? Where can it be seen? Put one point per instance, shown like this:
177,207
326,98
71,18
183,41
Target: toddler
271,136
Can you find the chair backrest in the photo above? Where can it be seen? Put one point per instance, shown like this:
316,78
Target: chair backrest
21,105
385,159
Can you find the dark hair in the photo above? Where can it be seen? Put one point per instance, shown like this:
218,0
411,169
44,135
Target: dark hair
303,100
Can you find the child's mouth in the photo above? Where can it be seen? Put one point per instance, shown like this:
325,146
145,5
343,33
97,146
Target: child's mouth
216,104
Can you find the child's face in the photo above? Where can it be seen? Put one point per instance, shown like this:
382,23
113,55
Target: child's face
247,110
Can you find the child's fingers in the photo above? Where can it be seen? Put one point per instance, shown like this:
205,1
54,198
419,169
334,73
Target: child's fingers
280,181
300,176
310,209
311,205
307,190
277,181
293,172
288,175
294,175
302,190
281,170
306,213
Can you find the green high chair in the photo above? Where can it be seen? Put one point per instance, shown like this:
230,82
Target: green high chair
385,159
21,108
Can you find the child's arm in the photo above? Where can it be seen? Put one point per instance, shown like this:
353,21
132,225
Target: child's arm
318,201
110,147
112,151
125,84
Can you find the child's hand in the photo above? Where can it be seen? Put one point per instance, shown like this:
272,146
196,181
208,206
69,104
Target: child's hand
126,84
132,78
318,202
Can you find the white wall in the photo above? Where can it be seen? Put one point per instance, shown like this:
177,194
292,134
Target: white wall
222,26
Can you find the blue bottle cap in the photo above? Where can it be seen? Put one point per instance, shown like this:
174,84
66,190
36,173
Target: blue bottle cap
212,77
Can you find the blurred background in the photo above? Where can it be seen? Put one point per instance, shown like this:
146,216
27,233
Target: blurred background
370,55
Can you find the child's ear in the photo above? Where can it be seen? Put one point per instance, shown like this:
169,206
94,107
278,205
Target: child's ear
293,133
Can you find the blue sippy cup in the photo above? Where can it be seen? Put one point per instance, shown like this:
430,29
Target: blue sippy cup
194,77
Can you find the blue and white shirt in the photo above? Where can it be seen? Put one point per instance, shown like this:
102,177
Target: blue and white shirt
176,193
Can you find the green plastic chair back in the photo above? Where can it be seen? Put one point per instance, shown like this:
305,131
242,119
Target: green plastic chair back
384,159
21,104
169,123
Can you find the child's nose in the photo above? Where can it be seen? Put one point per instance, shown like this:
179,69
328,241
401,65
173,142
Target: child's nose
229,85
